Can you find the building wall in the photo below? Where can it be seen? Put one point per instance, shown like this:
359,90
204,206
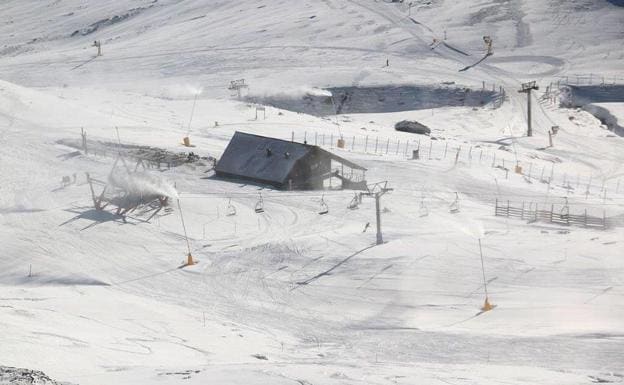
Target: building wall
307,174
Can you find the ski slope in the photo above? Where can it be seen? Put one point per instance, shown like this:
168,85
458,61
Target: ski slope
290,296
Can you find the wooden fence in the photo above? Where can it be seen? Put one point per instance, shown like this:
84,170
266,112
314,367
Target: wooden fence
560,215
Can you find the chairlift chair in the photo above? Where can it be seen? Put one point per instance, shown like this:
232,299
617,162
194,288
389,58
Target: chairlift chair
424,211
324,208
259,204
454,208
565,210
231,209
355,202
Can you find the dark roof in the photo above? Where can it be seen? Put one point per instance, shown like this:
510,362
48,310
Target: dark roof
246,156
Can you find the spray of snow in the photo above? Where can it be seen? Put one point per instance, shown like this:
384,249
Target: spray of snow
180,91
293,93
471,228
142,184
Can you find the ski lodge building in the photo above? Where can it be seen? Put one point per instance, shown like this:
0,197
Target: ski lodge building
287,165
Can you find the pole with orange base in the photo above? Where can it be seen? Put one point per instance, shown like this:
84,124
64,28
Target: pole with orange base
189,260
487,306
189,257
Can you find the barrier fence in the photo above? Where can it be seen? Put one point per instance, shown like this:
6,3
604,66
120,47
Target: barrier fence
550,213
425,148
590,79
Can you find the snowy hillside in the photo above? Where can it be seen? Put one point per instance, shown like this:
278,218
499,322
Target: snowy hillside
291,294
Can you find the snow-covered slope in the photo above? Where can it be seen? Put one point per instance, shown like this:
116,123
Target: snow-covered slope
291,296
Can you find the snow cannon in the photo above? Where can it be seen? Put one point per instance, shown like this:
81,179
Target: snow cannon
488,44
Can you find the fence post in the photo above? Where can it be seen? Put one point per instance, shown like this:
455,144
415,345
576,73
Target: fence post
406,144
353,144
457,155
398,145
522,214
292,136
585,217
507,209
387,145
315,137
552,209
366,145
535,215
496,208
445,148
331,140
376,142
430,146
83,133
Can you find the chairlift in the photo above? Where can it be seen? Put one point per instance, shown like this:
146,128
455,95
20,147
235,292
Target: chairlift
565,210
454,207
424,211
231,209
355,202
324,208
259,204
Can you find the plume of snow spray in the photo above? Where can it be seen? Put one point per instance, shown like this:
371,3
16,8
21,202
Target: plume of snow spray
293,93
142,184
181,91
471,228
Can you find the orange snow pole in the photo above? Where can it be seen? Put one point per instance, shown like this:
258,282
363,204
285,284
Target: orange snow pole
189,256
487,306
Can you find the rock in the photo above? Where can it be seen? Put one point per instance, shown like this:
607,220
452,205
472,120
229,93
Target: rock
413,127
19,376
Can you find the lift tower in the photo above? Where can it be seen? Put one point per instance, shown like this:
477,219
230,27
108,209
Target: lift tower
376,190
527,88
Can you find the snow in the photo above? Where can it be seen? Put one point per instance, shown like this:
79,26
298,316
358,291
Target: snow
89,298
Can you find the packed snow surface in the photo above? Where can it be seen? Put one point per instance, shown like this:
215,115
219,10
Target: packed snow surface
289,296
